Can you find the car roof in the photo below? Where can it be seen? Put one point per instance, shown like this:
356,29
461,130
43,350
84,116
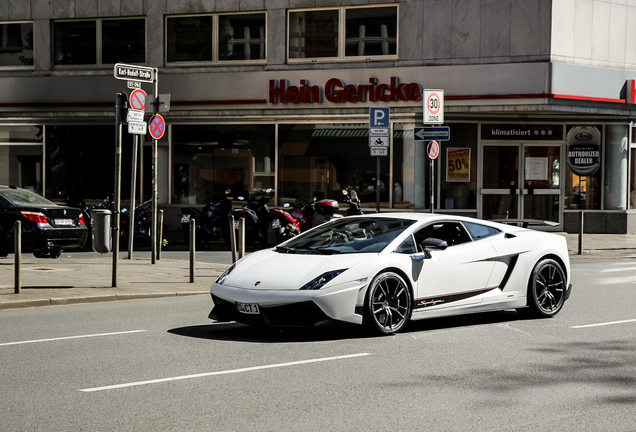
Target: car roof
432,217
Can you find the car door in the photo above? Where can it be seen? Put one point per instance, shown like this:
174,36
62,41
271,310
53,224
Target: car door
457,275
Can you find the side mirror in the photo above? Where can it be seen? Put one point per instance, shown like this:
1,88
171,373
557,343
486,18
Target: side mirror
433,243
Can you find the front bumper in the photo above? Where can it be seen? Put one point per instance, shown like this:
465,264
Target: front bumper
288,308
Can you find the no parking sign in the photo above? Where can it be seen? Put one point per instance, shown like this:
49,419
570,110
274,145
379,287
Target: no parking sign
157,126
137,100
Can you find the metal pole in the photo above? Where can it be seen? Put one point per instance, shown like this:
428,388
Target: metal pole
241,236
133,185
160,239
17,248
153,239
377,186
232,237
581,228
432,185
192,248
120,103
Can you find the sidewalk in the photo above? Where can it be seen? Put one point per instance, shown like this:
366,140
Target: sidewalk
84,277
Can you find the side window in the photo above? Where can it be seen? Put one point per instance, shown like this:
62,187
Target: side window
479,232
407,246
452,233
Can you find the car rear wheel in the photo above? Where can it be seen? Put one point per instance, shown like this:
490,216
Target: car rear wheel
48,254
546,289
388,304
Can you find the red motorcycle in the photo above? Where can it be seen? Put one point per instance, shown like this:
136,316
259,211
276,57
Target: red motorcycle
292,220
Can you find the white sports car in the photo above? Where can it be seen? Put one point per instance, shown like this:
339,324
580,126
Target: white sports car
382,270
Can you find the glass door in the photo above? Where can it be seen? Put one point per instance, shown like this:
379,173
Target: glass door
521,181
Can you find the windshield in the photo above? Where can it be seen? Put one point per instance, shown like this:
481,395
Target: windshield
347,235
22,197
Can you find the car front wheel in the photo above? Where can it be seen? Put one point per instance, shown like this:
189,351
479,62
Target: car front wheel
48,254
388,304
546,289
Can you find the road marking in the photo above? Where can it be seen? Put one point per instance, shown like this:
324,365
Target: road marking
226,372
604,324
71,337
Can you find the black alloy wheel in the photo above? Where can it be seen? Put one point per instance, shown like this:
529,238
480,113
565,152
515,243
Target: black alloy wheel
546,289
388,304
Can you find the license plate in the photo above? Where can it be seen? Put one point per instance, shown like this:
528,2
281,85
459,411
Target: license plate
248,308
237,224
276,223
67,222
185,218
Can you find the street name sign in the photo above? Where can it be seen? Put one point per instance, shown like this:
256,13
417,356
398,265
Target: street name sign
133,73
439,133
138,128
433,106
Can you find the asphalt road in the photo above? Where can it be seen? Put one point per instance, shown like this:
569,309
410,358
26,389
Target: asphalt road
161,365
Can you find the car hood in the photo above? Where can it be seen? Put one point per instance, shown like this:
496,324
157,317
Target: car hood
269,270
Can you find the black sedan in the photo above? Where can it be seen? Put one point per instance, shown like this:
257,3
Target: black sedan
47,228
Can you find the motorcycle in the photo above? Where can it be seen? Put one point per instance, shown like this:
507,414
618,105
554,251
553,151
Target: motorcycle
211,222
292,220
255,213
351,198
143,221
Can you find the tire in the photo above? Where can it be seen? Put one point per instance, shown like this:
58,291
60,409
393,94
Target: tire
546,290
388,304
53,254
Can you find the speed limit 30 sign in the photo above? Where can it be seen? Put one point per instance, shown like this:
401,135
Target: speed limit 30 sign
433,106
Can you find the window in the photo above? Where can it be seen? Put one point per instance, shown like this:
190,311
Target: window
479,232
21,156
99,42
238,37
452,233
343,33
16,45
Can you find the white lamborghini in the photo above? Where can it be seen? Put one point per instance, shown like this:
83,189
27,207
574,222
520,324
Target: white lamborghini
382,270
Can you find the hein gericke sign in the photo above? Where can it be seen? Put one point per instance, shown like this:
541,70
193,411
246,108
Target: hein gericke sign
336,90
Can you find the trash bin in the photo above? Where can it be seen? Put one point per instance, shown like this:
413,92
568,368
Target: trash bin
101,231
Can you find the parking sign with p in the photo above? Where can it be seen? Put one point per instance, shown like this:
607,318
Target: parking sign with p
379,117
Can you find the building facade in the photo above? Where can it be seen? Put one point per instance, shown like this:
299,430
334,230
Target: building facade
272,97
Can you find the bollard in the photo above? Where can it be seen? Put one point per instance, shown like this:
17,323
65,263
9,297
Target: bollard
192,248
17,248
160,239
581,235
241,236
232,237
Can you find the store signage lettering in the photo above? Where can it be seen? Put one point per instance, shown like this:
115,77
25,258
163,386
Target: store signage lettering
584,150
335,90
524,132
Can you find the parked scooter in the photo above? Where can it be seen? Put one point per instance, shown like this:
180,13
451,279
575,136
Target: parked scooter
211,222
291,220
351,197
327,210
256,215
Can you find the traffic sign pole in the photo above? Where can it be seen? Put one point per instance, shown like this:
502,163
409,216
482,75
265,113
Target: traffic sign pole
153,239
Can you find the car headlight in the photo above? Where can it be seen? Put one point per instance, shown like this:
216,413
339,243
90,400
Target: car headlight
322,280
225,274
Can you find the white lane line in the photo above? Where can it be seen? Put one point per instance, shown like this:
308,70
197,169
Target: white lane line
604,324
71,337
226,372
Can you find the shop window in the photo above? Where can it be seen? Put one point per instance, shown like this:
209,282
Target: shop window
21,157
209,161
99,42
82,158
239,37
319,161
16,45
343,33
455,172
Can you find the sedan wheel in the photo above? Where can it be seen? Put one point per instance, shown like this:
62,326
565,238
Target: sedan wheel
388,304
48,254
546,289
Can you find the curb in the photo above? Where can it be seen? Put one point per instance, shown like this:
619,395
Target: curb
21,304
